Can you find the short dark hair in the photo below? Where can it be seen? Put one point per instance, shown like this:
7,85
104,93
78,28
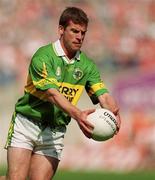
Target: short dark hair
77,15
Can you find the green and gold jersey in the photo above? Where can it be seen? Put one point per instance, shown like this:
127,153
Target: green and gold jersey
50,68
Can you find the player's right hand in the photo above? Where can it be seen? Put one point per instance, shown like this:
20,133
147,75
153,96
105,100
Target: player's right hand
85,126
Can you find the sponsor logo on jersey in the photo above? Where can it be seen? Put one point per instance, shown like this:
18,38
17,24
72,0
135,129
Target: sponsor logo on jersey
71,92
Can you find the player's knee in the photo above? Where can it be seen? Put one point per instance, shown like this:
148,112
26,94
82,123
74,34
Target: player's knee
3,178
40,175
15,176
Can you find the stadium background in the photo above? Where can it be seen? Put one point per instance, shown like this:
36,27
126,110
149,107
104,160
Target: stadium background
121,40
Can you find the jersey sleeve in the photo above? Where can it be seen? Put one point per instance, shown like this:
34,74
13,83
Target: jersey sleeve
42,73
95,86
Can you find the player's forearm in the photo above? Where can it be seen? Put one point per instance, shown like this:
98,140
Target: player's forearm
80,116
108,102
60,101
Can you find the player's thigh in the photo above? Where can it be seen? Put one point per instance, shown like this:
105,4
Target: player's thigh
42,167
18,163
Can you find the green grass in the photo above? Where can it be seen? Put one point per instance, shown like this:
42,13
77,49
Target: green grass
85,175
98,175
2,170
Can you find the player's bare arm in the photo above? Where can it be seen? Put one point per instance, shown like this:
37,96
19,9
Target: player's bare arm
60,101
108,102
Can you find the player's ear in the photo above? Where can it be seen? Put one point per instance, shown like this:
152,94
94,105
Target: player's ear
61,30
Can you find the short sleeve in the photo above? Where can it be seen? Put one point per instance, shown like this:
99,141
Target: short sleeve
42,73
95,86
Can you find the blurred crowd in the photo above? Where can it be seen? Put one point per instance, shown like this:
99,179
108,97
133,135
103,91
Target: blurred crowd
122,32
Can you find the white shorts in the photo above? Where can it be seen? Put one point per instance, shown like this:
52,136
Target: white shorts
28,134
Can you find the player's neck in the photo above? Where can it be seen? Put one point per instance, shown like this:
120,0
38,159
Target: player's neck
68,52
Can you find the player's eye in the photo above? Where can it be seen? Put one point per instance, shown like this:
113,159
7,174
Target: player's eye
75,31
83,32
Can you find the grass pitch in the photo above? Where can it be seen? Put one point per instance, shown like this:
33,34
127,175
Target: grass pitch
85,175
98,175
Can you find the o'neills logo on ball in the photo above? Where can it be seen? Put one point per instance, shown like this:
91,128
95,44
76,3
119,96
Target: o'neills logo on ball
110,116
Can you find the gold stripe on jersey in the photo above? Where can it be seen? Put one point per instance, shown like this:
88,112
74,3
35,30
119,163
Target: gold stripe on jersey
70,91
30,88
44,71
46,81
94,88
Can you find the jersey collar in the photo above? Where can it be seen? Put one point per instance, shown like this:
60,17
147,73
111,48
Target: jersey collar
60,52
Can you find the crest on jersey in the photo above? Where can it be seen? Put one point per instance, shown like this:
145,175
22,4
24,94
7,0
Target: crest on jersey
77,74
58,71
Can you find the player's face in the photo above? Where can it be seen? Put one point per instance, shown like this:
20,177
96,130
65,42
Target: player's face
72,37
